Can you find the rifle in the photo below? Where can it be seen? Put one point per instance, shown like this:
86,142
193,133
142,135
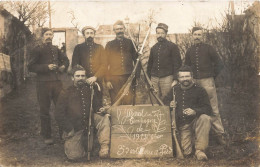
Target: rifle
152,90
90,125
178,148
124,90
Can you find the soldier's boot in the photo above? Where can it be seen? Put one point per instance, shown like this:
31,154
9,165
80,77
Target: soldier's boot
201,156
103,152
221,139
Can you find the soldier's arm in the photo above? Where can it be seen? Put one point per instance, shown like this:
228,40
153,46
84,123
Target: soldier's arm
176,56
61,111
75,57
63,59
34,65
168,98
106,61
97,99
203,104
102,63
187,58
217,62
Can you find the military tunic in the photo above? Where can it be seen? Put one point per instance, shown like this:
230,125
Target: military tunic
164,60
163,63
91,56
121,56
203,60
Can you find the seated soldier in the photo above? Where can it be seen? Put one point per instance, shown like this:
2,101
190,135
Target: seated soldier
193,110
72,114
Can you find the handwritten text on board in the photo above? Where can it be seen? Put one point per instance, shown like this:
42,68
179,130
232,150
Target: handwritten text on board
140,131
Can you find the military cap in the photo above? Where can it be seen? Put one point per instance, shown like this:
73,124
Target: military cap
196,29
185,68
45,29
76,68
162,26
119,22
87,27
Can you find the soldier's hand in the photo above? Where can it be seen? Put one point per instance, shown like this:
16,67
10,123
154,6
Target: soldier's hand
189,112
91,80
174,83
52,67
109,85
103,110
62,68
172,104
68,135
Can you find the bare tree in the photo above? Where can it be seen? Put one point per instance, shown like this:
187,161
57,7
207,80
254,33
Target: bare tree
30,12
74,21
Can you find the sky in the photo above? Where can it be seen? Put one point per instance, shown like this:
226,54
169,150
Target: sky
178,15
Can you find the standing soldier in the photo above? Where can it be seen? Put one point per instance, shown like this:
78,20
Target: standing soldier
48,62
90,56
206,65
121,56
163,62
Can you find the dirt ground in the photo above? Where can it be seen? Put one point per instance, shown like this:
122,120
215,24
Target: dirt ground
21,144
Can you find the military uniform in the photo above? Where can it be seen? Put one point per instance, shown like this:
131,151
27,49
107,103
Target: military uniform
73,108
196,98
163,63
120,55
90,56
206,65
48,81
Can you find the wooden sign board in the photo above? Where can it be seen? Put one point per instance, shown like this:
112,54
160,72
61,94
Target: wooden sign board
140,132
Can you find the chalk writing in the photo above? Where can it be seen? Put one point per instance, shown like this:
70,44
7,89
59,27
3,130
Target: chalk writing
161,151
140,131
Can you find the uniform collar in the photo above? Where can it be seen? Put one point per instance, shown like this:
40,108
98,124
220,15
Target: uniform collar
89,43
120,40
162,42
198,44
186,88
49,44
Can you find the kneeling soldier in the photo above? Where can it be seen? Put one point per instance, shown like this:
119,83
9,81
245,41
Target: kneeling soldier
72,113
193,112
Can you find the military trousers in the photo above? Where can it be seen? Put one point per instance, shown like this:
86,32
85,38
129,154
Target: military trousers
162,85
76,146
47,91
199,129
117,82
209,85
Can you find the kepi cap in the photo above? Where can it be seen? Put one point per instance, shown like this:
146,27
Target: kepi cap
196,29
88,27
45,29
119,22
162,26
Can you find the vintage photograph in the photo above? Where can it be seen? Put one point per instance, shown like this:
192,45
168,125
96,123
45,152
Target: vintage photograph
135,83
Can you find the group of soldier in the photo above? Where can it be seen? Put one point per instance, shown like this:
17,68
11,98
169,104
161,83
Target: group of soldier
192,84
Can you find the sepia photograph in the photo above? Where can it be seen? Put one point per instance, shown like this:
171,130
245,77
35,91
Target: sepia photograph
134,83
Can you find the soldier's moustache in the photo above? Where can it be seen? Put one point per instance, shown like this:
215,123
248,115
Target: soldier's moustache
159,38
120,33
80,82
48,40
89,39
